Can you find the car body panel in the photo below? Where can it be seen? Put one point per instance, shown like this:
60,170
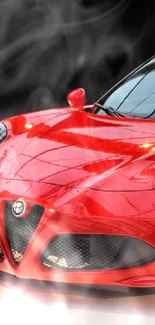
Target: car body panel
108,154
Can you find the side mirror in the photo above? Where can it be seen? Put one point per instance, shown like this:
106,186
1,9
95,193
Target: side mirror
77,98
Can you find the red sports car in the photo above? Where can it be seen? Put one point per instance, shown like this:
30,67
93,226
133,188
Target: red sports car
77,188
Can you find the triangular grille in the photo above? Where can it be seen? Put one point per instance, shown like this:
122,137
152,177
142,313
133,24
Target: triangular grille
20,230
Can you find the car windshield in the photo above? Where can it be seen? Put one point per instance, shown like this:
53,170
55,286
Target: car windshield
134,96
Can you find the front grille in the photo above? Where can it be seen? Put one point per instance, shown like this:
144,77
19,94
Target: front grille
20,230
96,252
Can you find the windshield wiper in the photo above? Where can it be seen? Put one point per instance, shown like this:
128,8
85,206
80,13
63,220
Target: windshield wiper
109,110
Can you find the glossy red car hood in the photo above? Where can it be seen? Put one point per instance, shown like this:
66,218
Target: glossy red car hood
77,149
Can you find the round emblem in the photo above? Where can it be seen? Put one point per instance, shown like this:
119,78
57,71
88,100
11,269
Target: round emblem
3,132
18,208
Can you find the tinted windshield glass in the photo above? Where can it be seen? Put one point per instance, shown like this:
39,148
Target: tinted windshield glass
136,95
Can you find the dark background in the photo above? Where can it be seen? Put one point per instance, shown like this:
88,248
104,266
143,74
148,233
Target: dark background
48,47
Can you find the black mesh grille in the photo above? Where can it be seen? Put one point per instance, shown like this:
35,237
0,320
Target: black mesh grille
90,252
82,251
20,230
